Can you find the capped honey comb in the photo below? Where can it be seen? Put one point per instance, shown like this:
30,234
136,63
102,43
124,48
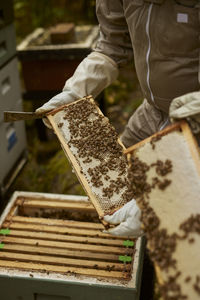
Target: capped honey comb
164,176
95,152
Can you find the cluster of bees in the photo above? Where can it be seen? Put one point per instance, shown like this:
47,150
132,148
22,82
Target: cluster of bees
163,168
162,245
95,139
192,224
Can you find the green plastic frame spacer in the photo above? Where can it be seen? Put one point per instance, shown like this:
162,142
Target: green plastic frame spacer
2,245
5,231
128,243
125,258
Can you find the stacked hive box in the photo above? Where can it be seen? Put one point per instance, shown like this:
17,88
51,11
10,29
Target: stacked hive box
41,59
12,136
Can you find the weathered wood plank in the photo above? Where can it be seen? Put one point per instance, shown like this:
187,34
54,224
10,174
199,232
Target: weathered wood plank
61,269
67,238
54,260
192,144
65,245
61,252
49,198
57,229
57,204
57,222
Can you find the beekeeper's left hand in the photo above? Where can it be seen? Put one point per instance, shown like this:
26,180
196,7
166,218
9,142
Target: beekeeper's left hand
127,219
188,107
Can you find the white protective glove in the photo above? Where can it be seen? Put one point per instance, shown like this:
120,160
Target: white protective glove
128,218
187,106
94,73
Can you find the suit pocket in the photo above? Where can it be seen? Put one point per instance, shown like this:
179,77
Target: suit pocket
177,33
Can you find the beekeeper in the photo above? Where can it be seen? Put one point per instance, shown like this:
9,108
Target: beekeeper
163,37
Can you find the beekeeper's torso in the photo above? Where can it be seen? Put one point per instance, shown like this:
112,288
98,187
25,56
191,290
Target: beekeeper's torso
164,37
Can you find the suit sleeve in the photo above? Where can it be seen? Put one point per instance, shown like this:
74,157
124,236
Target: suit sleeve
199,70
114,39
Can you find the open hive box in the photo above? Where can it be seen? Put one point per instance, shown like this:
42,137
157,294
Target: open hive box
95,152
41,60
52,247
165,179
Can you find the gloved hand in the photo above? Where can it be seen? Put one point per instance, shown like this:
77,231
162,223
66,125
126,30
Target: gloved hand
187,106
93,74
128,218
58,100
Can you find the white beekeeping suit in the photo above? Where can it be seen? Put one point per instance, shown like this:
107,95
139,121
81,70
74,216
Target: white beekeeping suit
162,36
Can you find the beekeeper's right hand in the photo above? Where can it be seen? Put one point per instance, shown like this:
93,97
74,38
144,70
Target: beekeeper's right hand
94,73
127,219
187,107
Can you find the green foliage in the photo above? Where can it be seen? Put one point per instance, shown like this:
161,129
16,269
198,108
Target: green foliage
32,14
47,169
59,176
53,175
119,92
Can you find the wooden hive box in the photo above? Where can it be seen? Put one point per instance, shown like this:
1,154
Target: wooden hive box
165,179
52,248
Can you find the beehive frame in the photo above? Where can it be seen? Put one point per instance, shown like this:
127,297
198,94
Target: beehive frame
102,173
169,163
63,249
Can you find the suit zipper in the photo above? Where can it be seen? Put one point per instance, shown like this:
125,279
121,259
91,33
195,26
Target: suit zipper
148,52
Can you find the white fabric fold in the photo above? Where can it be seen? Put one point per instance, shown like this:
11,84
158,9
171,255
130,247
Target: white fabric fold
127,219
92,76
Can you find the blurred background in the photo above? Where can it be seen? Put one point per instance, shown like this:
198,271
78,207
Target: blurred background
35,62
47,169
32,14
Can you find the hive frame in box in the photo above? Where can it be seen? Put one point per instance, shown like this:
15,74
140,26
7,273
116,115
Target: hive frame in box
173,208
103,204
32,284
